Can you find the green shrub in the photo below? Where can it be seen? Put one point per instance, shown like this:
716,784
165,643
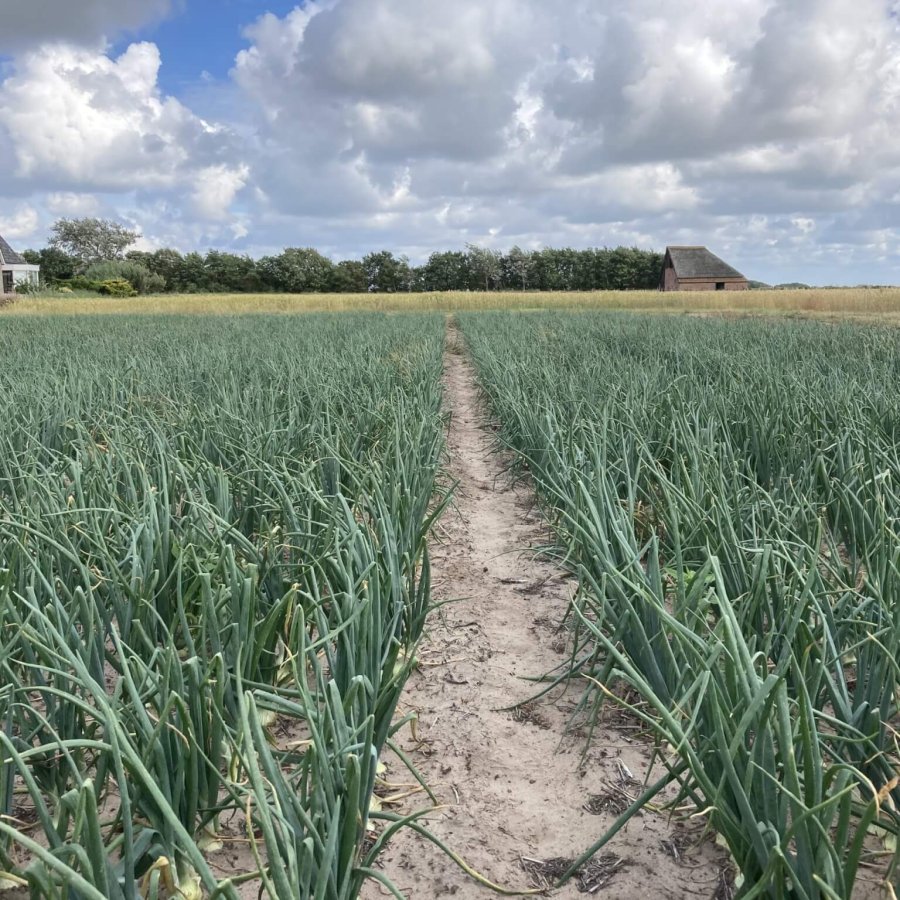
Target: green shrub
117,287
80,283
27,287
109,287
138,276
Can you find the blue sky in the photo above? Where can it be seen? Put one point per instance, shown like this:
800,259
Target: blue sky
202,37
765,129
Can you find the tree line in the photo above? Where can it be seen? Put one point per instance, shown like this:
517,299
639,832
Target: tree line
85,253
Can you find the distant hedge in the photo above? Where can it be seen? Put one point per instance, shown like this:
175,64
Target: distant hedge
304,269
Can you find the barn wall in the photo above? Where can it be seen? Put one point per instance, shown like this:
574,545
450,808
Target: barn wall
670,282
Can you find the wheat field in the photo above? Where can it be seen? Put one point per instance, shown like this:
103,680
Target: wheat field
879,303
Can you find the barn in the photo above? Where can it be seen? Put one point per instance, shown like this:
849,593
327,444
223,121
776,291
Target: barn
697,269
14,270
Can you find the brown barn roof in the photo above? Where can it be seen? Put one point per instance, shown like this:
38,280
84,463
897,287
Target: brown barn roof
8,256
698,262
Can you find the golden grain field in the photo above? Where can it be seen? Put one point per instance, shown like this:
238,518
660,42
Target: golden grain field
880,303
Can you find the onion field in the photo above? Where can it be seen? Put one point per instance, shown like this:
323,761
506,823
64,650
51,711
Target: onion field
728,494
213,578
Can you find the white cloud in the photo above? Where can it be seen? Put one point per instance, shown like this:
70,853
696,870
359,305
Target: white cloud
79,21
216,188
757,126
79,115
70,204
20,224
670,120
392,79
80,122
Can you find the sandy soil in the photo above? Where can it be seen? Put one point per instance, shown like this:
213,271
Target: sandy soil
513,785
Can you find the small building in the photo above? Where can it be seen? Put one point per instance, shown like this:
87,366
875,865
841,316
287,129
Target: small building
696,269
15,271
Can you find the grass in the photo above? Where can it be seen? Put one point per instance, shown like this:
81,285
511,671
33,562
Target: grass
883,303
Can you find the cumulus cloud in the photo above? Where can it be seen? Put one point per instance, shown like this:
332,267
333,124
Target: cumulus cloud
660,121
216,187
372,94
70,204
77,21
21,223
672,82
764,128
395,79
79,121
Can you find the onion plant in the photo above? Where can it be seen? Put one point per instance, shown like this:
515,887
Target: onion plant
207,529
727,494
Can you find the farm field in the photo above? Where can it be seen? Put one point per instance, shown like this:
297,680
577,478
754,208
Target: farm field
882,304
213,578
268,588
727,495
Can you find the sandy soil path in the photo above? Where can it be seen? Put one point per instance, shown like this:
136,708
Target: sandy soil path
513,785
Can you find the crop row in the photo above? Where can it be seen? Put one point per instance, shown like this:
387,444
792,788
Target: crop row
728,494
213,577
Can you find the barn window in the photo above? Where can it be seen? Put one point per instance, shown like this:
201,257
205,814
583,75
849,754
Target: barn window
720,285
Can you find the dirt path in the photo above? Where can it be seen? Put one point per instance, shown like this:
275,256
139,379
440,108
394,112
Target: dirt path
511,788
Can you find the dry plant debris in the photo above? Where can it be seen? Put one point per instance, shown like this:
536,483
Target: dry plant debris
590,878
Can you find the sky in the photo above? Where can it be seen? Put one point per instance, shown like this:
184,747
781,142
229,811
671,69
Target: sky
768,130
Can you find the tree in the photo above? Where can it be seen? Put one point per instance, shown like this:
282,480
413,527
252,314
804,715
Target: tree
192,274
55,265
297,270
91,240
447,271
138,276
349,277
484,265
387,273
304,269
517,267
168,264
230,273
